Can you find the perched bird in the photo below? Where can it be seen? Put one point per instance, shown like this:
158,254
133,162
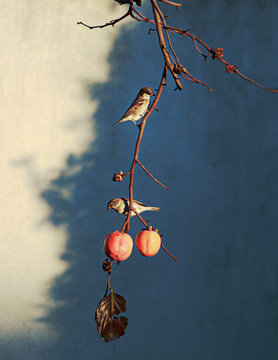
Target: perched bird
121,205
138,107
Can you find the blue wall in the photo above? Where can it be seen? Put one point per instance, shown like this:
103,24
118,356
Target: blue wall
218,154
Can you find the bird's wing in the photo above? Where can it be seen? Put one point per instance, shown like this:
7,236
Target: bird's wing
135,105
135,201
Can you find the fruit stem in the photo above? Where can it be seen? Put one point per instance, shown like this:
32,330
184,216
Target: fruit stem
140,217
108,280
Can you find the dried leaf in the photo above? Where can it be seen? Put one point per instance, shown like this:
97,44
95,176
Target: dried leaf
109,326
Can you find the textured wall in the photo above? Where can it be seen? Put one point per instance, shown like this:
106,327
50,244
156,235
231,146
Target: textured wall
63,89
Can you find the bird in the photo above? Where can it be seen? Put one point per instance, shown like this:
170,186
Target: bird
121,206
139,106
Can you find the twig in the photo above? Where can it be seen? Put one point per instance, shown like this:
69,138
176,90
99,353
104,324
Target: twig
170,3
195,80
111,23
140,217
148,173
255,83
168,252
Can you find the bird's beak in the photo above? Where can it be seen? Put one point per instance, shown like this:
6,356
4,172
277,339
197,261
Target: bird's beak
108,207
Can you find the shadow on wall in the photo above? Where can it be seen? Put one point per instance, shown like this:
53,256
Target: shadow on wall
78,199
221,203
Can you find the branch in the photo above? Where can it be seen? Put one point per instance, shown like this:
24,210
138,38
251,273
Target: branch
163,45
111,23
140,217
168,252
166,31
217,56
126,224
148,173
255,83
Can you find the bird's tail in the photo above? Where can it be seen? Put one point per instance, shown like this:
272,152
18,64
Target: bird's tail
154,208
118,122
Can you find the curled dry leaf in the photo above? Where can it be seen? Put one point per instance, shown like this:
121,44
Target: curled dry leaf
118,177
109,326
230,69
217,53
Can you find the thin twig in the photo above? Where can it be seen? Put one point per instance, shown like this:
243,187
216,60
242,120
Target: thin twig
170,3
140,217
148,173
195,80
255,83
111,23
168,252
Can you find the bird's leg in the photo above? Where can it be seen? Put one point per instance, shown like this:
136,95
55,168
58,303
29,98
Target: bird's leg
134,122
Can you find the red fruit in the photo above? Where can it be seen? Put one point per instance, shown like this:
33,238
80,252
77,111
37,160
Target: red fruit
118,245
148,242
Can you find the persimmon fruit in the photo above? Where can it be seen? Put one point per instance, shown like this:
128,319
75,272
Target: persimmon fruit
118,245
148,242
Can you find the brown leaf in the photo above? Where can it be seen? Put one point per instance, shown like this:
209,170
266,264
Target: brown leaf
230,69
109,326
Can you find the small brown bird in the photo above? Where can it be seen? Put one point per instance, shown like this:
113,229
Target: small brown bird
138,107
121,206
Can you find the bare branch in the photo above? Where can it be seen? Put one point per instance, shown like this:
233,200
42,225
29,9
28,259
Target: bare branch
148,173
168,252
255,83
140,217
215,56
111,23
166,31
163,45
126,225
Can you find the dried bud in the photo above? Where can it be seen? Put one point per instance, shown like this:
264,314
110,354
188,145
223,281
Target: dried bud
230,69
217,53
178,68
106,265
118,177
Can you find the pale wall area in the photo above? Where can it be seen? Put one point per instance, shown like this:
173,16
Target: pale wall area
47,60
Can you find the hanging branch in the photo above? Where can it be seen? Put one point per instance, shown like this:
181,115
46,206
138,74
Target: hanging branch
148,173
126,225
160,23
163,45
109,326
